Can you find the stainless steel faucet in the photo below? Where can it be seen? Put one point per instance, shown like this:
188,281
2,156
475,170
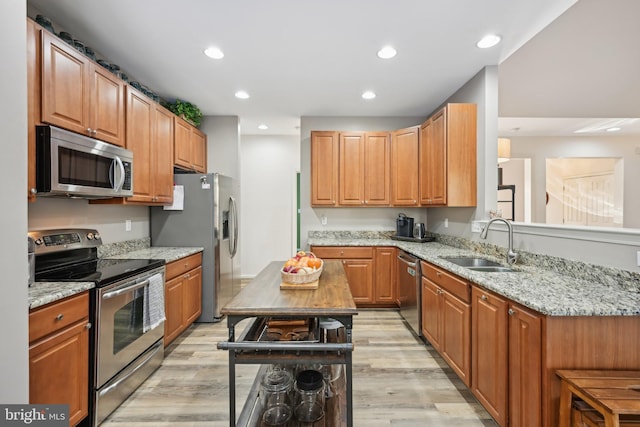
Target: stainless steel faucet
512,256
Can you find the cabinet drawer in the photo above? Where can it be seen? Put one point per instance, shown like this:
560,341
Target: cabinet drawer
447,281
57,315
343,251
181,266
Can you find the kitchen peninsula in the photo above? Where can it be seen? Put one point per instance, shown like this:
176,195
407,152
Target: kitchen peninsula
263,299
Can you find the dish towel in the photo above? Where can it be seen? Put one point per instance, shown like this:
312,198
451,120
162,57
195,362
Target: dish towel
153,314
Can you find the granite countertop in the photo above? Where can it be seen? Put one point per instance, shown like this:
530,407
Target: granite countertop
41,293
544,291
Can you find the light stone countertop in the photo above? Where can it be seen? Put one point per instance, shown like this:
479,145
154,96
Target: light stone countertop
545,291
42,293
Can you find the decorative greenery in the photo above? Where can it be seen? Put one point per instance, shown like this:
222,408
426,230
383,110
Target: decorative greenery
190,112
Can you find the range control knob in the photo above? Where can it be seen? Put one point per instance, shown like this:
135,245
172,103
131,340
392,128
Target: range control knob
90,236
96,236
38,242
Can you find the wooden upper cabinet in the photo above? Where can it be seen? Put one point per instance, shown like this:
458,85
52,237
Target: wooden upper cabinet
377,164
351,171
404,166
162,154
78,95
448,157
34,61
324,168
140,112
190,147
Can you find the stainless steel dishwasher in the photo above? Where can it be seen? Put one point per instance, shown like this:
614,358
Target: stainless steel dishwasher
409,297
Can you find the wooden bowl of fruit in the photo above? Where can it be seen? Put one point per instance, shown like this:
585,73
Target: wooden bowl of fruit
303,268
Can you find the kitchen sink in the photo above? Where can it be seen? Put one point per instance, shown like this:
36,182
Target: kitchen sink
478,264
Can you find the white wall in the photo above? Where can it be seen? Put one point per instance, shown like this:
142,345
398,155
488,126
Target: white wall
14,370
268,186
223,144
347,218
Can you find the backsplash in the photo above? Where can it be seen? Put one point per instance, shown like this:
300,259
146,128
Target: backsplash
628,280
118,248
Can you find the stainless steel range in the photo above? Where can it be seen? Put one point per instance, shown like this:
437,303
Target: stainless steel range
127,311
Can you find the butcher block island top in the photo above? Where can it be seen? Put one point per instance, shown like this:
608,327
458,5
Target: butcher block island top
263,296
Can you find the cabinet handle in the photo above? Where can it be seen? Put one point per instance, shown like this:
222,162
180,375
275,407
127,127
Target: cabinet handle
89,131
60,316
366,201
483,297
34,191
186,276
511,312
438,274
94,131
88,326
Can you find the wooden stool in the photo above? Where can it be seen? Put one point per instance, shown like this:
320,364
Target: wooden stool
610,393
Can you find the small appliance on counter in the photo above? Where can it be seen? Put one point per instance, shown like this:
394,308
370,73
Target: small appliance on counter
406,231
404,226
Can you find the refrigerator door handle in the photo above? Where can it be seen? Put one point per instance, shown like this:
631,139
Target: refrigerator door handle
233,242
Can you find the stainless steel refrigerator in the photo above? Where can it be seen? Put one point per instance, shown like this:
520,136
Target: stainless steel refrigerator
209,218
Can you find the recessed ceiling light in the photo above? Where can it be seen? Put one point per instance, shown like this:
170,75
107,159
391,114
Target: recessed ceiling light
489,40
368,95
241,94
263,127
615,129
387,52
214,52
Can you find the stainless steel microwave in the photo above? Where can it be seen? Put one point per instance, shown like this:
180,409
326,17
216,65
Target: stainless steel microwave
73,165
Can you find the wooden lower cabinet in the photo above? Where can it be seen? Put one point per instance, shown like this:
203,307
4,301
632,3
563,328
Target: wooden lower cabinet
446,319
489,357
59,355
183,295
370,271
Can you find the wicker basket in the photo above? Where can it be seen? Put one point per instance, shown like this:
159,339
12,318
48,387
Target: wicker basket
301,278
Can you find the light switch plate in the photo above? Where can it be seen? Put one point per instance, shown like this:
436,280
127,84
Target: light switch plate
638,258
476,227
127,225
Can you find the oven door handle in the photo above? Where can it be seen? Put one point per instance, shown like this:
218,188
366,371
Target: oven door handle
144,362
121,291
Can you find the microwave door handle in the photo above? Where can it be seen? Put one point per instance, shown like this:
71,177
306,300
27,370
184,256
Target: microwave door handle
121,166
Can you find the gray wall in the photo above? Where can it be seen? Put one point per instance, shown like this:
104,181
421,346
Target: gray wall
14,370
347,218
223,139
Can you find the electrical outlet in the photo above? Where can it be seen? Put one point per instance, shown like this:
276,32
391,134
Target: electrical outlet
127,225
476,227
446,223
323,220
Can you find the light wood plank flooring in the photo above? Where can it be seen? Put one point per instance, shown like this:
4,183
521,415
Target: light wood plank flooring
397,381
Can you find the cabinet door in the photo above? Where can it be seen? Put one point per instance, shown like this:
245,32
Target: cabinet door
433,160
59,370
489,352
106,106
65,85
461,140
359,274
525,360
431,309
351,170
34,62
182,143
456,336
162,155
174,309
140,111
377,175
198,150
192,296
324,168
384,280
404,167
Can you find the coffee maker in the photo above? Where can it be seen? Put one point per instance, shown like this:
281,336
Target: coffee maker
404,226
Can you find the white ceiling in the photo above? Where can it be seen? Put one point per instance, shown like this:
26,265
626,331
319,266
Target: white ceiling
581,71
301,58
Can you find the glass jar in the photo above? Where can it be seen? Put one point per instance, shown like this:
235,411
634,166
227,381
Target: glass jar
275,395
309,396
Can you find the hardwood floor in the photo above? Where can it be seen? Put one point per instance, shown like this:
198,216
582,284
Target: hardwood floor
397,381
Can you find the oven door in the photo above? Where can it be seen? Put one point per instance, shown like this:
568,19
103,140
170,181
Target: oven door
122,333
